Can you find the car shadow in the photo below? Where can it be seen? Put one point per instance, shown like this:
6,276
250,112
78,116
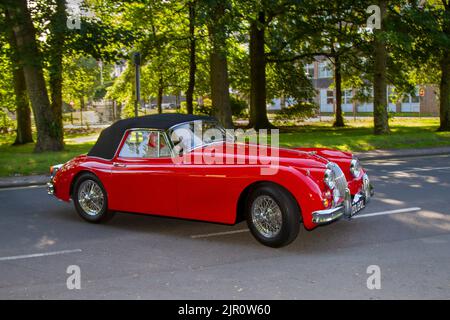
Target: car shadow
325,239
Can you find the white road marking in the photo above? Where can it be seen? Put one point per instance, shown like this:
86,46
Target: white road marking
37,255
382,213
207,235
23,188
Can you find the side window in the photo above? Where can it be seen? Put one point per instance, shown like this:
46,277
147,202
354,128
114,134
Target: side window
145,144
164,148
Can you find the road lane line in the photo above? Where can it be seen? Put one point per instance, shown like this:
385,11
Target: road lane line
37,255
382,213
207,235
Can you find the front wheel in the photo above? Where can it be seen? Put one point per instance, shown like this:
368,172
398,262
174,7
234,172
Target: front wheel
90,199
273,215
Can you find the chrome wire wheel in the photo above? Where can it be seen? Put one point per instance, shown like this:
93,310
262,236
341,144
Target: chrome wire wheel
90,197
266,216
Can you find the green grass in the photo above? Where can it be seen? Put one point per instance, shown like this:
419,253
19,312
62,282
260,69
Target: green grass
21,160
357,136
391,114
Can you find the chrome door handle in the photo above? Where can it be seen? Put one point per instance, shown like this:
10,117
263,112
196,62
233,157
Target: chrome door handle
119,165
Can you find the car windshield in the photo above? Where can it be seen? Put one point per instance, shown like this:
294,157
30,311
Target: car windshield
190,135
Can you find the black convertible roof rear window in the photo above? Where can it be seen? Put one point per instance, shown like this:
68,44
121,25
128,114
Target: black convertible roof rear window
109,139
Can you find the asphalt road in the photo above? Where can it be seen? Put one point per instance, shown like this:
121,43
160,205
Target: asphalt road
144,257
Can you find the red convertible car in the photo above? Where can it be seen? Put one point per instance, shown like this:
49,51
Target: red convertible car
145,165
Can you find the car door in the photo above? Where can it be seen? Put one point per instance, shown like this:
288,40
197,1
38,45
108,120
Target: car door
142,175
209,192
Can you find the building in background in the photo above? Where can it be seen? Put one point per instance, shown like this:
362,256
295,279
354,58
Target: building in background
424,100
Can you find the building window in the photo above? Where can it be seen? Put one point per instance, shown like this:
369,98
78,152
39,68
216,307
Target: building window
309,70
325,70
412,98
330,97
347,97
366,95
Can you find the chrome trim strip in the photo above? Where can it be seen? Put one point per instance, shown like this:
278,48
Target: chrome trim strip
328,215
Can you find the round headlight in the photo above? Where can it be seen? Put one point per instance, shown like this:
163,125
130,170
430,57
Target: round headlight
329,179
355,168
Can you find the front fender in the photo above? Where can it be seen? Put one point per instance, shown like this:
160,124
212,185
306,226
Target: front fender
304,189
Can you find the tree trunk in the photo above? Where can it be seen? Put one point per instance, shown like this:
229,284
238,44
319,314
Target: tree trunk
339,121
445,93
258,107
220,94
192,61
81,110
444,88
282,101
160,95
23,113
380,113
49,137
56,41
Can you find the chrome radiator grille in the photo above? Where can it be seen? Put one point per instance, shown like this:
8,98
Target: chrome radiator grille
340,180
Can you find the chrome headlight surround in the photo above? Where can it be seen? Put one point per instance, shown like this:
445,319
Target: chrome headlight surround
54,169
329,179
355,167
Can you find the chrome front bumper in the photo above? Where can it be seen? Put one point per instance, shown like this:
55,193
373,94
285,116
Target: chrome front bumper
50,188
349,206
328,215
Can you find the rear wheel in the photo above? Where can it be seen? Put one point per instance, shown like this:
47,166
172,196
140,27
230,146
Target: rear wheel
273,215
90,199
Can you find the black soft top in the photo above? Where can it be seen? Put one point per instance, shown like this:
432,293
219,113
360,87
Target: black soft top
109,139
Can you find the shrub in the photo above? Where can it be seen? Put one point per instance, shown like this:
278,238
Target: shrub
239,107
205,109
183,108
299,111
6,123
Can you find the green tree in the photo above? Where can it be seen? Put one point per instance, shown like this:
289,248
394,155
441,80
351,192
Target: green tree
425,35
380,113
81,77
192,9
22,106
217,13
49,137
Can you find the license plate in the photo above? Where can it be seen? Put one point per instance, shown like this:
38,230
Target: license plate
358,205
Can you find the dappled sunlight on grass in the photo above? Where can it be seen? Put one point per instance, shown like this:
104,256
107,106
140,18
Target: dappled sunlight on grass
358,135
21,160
